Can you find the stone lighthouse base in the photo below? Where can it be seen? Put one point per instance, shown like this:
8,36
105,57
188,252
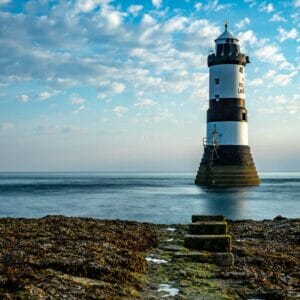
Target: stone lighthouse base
227,166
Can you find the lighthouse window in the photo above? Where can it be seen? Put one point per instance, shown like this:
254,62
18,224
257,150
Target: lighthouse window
217,81
241,70
244,116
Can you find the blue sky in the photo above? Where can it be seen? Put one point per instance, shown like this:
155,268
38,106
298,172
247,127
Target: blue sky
123,85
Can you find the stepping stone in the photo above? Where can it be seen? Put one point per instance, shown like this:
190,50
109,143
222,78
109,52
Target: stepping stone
212,243
207,218
203,228
219,259
172,247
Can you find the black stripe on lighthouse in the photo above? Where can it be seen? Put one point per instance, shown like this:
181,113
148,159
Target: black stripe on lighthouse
227,110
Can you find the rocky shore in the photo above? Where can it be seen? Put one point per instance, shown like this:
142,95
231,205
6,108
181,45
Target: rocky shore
57,257
73,258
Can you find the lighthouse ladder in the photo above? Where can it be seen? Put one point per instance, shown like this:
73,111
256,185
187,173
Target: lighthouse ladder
213,153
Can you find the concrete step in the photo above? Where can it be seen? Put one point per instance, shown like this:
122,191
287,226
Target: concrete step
209,228
219,259
212,243
208,218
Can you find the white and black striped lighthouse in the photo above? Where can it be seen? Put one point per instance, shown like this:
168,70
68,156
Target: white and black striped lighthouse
227,159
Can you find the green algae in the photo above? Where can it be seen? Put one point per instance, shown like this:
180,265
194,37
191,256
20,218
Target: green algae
194,280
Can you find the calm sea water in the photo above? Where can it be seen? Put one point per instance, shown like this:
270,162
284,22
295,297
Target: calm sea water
152,197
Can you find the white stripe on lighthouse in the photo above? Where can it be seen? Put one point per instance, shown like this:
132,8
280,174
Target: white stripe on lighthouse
228,133
226,81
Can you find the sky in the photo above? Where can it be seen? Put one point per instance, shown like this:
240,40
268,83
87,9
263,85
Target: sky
100,85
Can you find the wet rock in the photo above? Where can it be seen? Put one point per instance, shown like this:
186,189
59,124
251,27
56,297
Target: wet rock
279,218
224,259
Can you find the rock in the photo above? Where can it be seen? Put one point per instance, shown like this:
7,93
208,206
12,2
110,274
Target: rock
207,218
203,228
279,218
213,243
219,259
185,283
270,295
224,259
56,257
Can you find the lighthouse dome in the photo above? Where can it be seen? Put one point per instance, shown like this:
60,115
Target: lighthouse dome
226,43
226,37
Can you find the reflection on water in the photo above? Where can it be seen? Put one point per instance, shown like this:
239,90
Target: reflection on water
227,201
160,198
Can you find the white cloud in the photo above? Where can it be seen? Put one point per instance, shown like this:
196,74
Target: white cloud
214,5
107,88
101,96
199,87
266,7
117,87
200,33
280,99
76,99
120,110
297,3
283,79
24,98
135,9
148,20
243,23
175,24
157,3
293,108
4,2
86,6
273,78
270,54
255,82
284,34
113,18
198,6
160,115
282,103
145,103
251,3
45,95
278,18
7,126
78,110
247,37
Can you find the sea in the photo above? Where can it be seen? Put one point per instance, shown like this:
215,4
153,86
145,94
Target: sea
167,198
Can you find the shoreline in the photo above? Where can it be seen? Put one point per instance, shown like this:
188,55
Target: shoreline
56,256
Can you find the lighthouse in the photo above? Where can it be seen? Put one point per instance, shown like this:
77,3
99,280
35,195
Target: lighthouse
227,160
